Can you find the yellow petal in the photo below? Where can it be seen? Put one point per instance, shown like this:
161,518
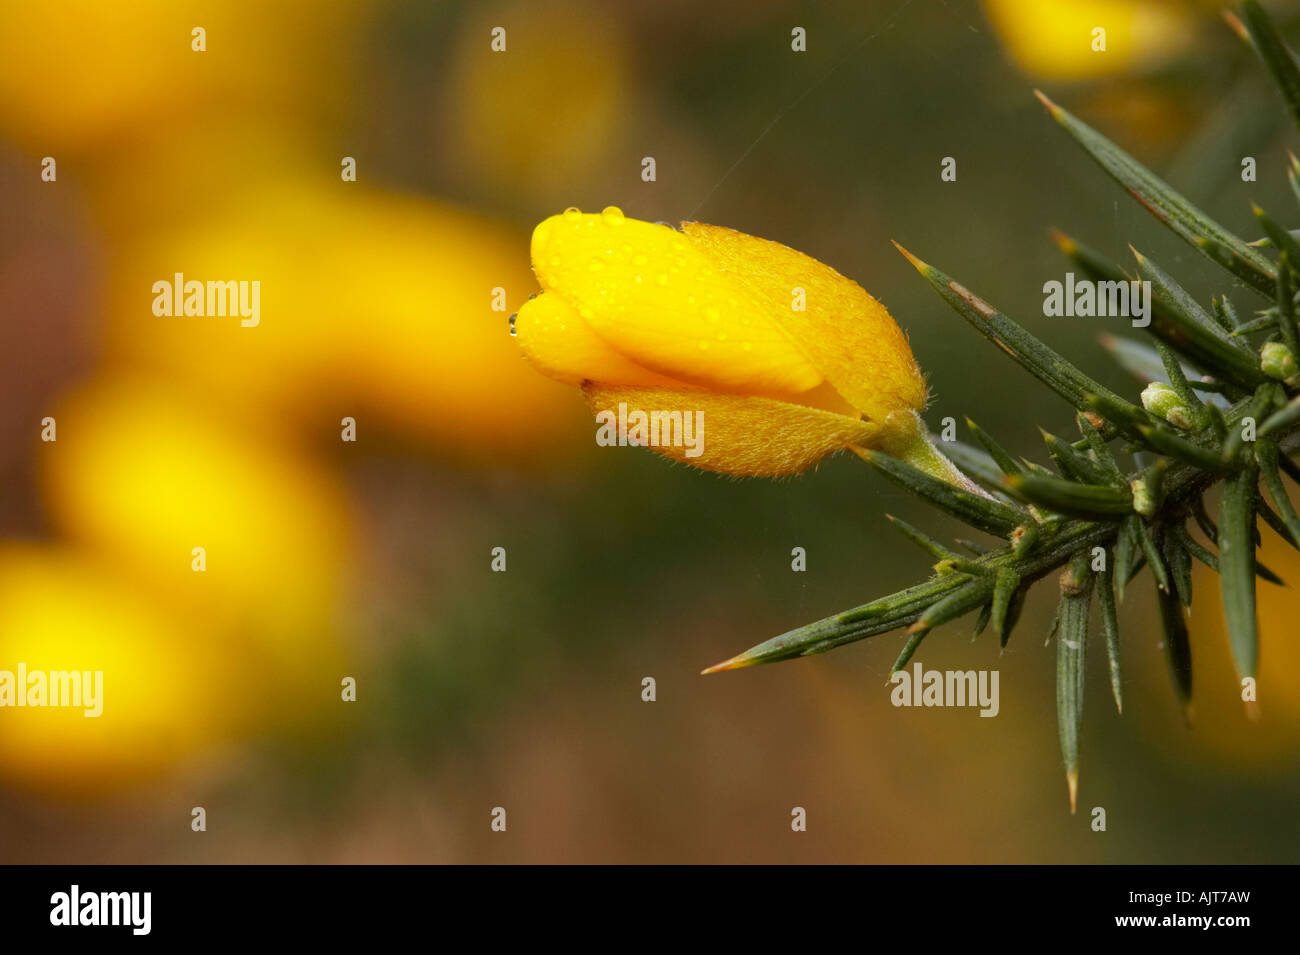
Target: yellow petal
559,344
845,332
653,296
759,437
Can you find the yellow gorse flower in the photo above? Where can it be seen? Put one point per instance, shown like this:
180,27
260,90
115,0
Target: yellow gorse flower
787,360
1056,40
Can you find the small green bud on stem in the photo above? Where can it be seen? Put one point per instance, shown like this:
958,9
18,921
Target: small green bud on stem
1144,501
1277,361
1162,400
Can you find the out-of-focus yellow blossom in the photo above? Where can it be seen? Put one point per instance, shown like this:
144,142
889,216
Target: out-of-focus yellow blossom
374,306
1053,39
787,359
1221,715
167,689
143,474
77,73
543,113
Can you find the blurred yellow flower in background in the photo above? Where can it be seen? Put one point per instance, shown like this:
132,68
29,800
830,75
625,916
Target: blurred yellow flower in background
198,432
144,473
788,360
82,73
371,304
1054,40
168,689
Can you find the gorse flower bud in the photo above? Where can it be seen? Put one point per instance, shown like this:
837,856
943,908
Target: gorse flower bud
787,360
1276,361
1161,399
1144,500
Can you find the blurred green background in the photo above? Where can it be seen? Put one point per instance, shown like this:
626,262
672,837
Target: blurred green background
372,560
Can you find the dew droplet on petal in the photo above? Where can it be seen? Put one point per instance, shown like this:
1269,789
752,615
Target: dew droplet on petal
572,212
662,278
612,215
513,331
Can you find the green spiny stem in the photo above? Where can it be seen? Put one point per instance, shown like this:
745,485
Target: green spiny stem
999,455
1172,209
1177,649
1099,523
1237,566
1279,60
1110,624
1179,563
909,648
1151,551
1183,484
978,510
1071,650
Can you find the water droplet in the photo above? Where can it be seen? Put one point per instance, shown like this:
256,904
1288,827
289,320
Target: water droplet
595,265
531,296
747,346
612,215
639,260
513,331
711,313
662,278
555,261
